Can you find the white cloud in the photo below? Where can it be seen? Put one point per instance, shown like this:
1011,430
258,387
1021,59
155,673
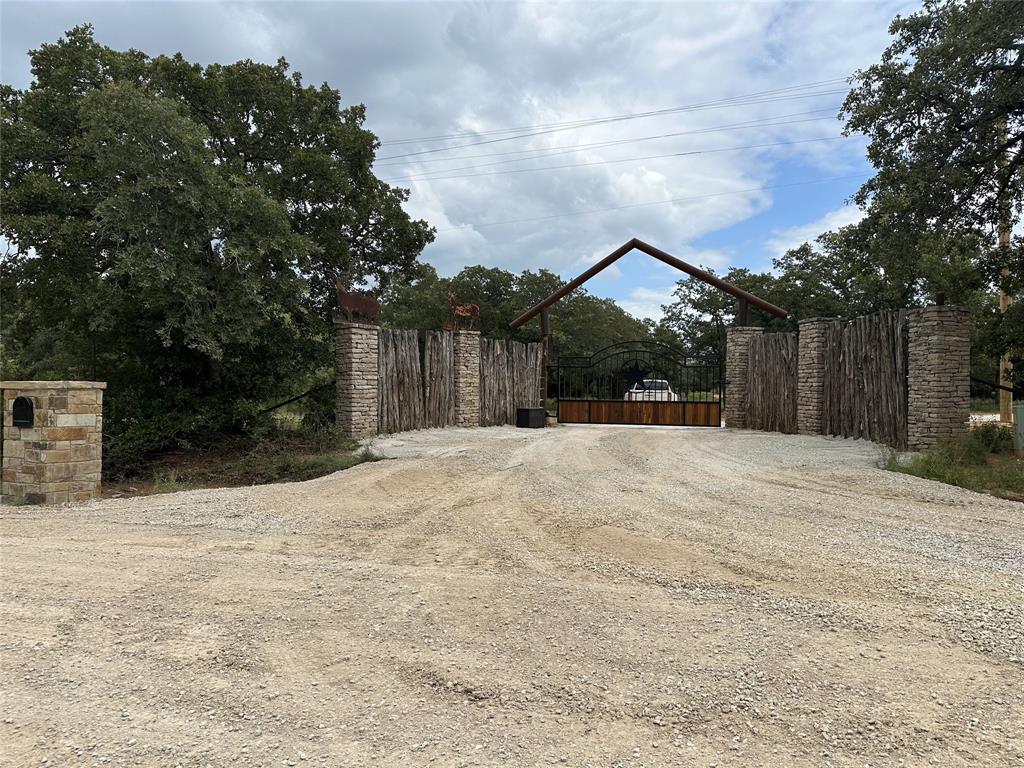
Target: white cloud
647,302
783,240
611,272
425,69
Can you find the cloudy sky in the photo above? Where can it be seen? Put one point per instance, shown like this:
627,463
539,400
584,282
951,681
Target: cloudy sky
493,115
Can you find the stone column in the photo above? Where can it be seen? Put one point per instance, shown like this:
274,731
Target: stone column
938,376
59,458
467,378
355,406
737,351
810,398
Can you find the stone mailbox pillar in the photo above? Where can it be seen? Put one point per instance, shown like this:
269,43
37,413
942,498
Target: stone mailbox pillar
737,353
355,405
467,378
52,441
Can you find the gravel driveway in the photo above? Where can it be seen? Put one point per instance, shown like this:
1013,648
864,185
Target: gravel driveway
571,596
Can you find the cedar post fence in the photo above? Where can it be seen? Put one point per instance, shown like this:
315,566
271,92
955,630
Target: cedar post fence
772,382
898,377
510,378
395,380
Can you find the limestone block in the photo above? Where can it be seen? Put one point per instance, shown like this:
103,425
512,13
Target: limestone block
466,348
737,353
356,364
811,375
938,376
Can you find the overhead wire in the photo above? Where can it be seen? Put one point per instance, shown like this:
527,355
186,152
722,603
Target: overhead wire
615,161
764,122
695,108
499,135
653,202
727,101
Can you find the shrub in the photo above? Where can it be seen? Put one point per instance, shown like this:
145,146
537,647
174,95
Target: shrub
991,438
981,460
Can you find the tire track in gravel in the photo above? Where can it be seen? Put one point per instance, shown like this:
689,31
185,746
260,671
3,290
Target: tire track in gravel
485,597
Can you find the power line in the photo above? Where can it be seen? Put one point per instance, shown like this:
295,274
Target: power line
765,122
556,130
616,142
622,116
655,202
610,162
627,115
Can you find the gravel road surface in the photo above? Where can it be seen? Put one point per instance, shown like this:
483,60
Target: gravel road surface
496,597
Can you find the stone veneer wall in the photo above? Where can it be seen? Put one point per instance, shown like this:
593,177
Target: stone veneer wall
810,403
58,459
938,376
737,353
355,410
467,378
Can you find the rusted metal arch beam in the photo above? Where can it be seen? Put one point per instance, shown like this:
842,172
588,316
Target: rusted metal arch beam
660,255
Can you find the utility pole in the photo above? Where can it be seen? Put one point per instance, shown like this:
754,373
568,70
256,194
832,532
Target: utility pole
1005,366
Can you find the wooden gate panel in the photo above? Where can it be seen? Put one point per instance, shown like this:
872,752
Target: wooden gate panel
602,412
649,413
704,414
668,414
573,411
591,389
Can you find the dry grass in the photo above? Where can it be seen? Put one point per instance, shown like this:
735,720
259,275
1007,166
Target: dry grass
285,454
983,460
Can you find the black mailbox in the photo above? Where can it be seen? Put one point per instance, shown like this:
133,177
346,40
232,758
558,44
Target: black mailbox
531,418
23,412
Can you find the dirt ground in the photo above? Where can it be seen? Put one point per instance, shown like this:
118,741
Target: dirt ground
571,596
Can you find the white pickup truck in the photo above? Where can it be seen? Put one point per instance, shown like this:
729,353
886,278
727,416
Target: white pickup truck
655,390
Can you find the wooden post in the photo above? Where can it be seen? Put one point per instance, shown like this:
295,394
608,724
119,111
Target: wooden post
1005,366
545,329
742,314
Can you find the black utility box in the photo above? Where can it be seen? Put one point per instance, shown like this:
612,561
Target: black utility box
531,418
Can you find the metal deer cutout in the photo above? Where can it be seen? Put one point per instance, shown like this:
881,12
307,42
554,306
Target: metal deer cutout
351,303
470,311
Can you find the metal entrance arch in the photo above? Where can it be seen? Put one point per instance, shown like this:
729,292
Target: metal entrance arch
608,387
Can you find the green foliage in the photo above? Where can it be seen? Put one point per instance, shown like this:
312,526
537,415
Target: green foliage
981,461
175,231
700,313
580,323
272,465
271,455
984,405
944,112
989,438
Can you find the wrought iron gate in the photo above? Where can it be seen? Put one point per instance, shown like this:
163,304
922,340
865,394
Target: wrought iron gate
639,382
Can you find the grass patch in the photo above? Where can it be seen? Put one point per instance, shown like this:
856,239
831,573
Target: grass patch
984,405
982,460
279,455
